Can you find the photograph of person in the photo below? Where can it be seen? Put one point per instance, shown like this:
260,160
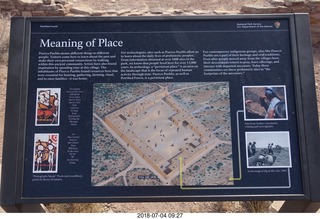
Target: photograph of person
268,149
265,102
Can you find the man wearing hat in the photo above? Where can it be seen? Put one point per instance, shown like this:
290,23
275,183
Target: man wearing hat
273,100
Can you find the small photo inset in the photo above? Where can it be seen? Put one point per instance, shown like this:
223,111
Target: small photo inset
268,150
48,107
265,102
46,153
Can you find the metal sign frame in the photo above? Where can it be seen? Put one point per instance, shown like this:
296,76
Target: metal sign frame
12,184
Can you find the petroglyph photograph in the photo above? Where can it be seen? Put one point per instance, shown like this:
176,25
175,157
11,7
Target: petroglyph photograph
161,134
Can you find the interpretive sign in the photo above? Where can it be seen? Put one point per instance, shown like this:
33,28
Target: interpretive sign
181,108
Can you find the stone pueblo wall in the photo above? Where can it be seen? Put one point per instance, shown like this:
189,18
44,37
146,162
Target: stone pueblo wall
291,6
28,8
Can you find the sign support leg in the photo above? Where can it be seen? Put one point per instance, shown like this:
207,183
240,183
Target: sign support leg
25,208
299,206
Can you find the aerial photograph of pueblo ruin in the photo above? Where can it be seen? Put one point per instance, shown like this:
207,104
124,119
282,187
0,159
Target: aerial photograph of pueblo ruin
159,134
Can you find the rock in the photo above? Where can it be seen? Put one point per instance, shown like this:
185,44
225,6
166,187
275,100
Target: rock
195,209
277,2
111,11
315,30
313,3
26,14
10,7
294,3
188,14
47,8
68,6
38,13
177,11
315,17
60,12
137,12
82,10
61,2
200,12
29,8
20,7
59,6
283,9
251,9
46,2
98,13
221,12
123,11
156,11
315,39
167,13
27,1
300,9
15,12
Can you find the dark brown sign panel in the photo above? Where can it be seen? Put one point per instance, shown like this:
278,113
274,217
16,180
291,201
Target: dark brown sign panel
182,108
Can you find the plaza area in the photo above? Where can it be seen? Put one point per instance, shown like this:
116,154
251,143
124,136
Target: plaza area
162,132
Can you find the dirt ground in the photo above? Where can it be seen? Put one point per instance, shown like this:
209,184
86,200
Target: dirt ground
231,5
